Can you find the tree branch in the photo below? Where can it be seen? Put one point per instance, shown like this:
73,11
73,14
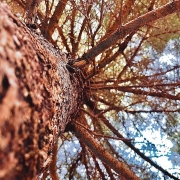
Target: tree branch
109,125
104,155
132,26
129,144
137,91
53,24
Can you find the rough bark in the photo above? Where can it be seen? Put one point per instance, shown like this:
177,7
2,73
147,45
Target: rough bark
38,96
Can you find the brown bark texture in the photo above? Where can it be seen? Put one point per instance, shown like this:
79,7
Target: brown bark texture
38,95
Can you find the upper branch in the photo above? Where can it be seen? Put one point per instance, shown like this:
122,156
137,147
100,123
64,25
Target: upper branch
53,24
132,26
137,90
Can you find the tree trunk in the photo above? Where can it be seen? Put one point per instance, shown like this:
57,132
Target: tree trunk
38,96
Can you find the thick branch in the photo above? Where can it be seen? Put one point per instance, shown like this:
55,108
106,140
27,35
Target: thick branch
132,26
53,24
104,155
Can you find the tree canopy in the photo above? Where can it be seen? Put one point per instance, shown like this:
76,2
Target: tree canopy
131,76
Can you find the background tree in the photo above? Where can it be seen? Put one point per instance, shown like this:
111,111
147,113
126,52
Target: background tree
128,55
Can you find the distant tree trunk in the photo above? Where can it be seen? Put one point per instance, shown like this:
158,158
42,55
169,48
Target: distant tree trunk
38,96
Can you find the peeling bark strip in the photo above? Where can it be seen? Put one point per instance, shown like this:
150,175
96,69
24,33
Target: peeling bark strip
37,97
